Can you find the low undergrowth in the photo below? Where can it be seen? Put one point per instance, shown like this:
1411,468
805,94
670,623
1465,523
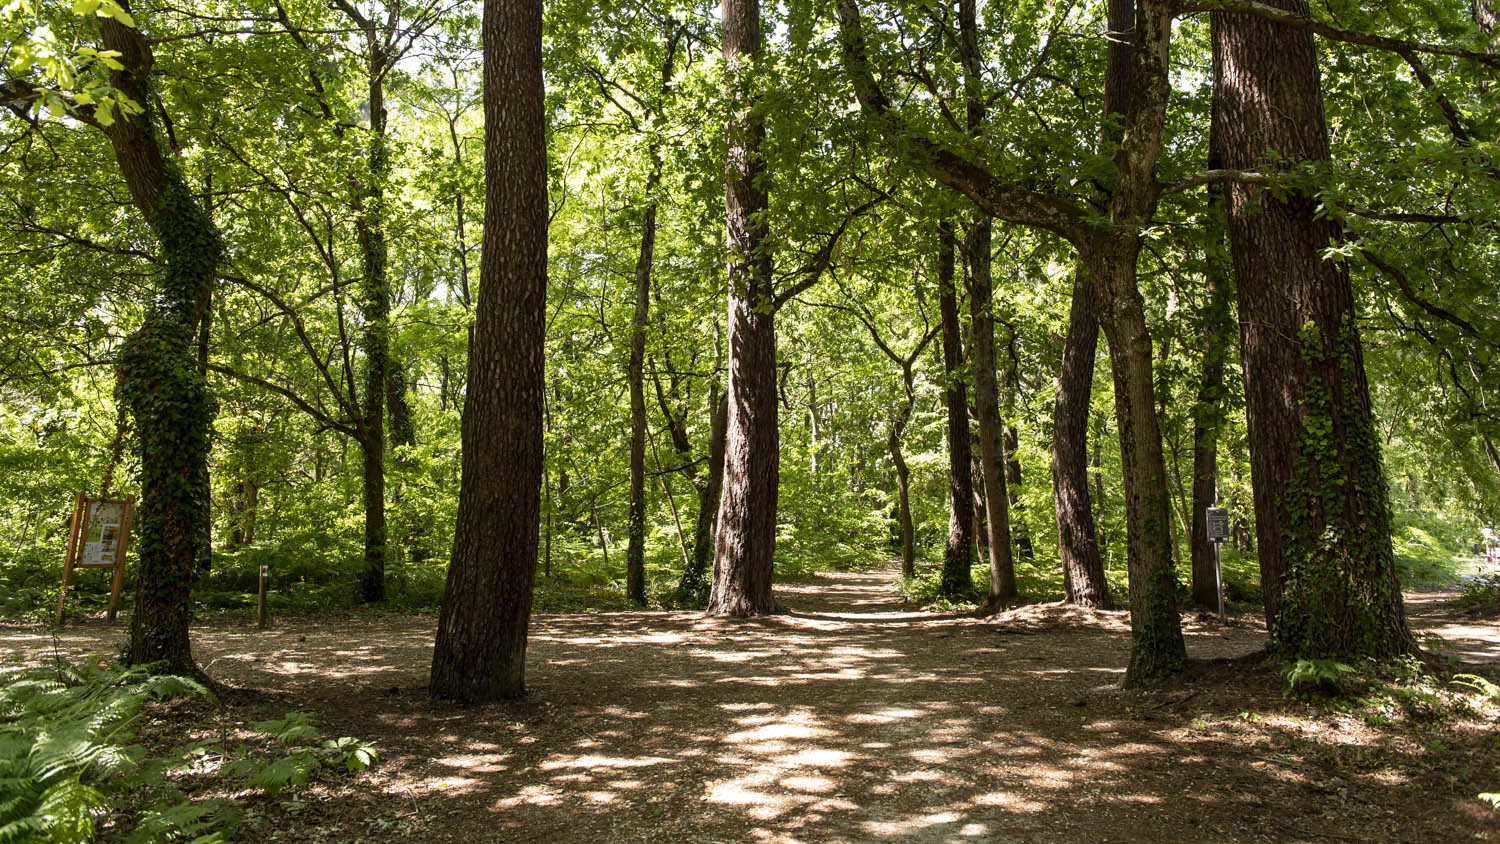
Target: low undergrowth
72,769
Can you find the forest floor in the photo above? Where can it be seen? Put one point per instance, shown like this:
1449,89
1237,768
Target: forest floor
850,717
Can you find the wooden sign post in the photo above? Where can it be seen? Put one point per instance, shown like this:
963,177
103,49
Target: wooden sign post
98,538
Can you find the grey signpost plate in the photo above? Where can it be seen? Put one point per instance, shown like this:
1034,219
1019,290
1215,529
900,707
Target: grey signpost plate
1218,524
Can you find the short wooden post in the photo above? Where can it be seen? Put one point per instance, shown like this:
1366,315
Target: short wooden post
260,605
118,577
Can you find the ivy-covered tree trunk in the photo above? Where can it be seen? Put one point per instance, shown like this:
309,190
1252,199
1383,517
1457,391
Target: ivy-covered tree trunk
160,381
1323,523
375,308
480,652
744,549
957,582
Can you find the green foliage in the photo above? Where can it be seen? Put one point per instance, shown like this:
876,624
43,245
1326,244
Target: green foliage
1306,676
65,749
1482,595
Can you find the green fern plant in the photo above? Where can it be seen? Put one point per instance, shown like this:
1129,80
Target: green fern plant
64,736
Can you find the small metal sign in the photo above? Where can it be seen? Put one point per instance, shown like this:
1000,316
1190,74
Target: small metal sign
1218,524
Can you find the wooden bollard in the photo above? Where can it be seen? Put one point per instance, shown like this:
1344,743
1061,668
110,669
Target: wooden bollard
260,605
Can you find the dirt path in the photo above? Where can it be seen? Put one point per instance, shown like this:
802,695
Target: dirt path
849,718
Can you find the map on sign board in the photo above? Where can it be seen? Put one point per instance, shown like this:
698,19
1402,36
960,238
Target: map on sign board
1218,524
101,534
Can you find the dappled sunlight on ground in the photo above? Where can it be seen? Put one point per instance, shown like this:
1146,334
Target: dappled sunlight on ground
848,718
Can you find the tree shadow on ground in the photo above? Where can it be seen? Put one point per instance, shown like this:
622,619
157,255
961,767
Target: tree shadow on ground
847,719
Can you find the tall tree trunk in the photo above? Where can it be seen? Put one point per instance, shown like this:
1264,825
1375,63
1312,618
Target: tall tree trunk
1077,540
635,554
995,540
957,581
1157,649
159,380
744,550
1208,413
375,306
480,653
1322,518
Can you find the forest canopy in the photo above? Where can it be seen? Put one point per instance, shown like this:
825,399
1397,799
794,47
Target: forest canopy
1010,292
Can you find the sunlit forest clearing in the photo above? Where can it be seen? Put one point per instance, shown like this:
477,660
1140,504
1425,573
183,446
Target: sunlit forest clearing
848,421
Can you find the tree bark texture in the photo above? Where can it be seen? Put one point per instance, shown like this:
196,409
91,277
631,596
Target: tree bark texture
1077,539
744,550
480,653
1322,517
957,582
159,380
1157,649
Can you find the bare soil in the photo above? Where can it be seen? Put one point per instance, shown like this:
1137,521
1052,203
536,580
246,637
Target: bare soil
849,718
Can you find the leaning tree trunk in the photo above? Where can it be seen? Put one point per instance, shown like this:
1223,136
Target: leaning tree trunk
160,382
744,549
1009,385
480,653
957,581
1323,523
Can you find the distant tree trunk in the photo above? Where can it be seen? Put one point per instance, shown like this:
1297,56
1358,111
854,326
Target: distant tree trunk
1009,385
1002,581
957,582
160,382
480,653
1077,540
744,550
976,484
694,585
1208,414
1322,518
635,555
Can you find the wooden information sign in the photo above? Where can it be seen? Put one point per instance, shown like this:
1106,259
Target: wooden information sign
98,537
